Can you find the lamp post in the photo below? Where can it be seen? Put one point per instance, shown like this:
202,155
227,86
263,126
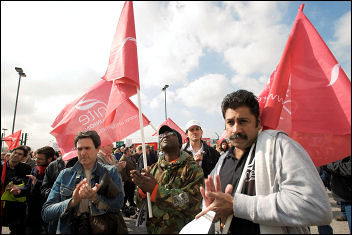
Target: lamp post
164,89
21,74
2,138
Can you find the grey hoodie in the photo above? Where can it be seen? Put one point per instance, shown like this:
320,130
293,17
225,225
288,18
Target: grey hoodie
289,193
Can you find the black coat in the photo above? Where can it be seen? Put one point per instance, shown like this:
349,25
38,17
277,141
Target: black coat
14,213
210,157
52,172
340,179
151,159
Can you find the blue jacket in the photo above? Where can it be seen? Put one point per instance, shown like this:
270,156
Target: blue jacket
60,195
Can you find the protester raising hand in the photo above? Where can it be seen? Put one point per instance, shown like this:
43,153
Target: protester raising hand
33,178
144,180
215,200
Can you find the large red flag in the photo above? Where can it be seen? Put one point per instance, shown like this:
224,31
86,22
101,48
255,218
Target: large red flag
123,63
13,141
88,112
309,96
174,126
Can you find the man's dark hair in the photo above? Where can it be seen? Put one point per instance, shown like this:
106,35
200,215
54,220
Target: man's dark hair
27,147
23,148
48,151
241,98
126,150
89,134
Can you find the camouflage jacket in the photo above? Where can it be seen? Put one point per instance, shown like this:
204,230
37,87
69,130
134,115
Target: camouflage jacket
178,197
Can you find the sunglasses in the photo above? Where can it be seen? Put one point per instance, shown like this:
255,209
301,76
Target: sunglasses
166,134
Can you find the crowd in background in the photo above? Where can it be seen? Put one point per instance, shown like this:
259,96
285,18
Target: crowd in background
36,171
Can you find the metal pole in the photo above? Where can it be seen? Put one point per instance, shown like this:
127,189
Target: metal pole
165,106
14,116
2,137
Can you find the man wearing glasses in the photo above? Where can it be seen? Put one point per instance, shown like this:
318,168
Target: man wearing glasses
14,206
173,182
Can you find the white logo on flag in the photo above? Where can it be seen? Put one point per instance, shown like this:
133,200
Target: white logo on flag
87,104
95,112
334,74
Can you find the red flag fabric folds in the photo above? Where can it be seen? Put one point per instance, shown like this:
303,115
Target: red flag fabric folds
13,141
123,62
88,112
309,96
174,126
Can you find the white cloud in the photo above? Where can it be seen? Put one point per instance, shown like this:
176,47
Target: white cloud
248,83
341,45
259,39
205,92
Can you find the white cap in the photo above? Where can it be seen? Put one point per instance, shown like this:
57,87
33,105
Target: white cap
192,123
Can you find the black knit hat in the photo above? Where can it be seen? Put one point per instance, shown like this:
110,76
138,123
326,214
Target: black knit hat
166,128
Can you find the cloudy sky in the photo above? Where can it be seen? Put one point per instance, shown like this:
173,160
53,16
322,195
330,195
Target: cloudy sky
202,50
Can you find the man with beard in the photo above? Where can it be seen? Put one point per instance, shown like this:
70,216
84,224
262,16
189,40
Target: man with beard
266,181
35,224
173,182
14,206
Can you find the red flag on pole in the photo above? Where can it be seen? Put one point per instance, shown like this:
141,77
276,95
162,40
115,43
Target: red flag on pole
13,141
88,112
174,126
123,63
309,96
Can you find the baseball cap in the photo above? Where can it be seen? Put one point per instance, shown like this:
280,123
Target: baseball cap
192,123
166,128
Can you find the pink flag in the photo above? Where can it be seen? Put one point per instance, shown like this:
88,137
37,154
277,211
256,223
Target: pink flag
13,141
309,96
123,63
223,136
174,126
88,112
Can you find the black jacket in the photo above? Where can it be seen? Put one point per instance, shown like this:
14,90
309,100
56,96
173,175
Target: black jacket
151,159
340,179
210,157
35,200
19,173
13,212
52,172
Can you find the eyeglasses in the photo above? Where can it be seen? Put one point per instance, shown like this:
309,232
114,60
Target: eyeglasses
166,134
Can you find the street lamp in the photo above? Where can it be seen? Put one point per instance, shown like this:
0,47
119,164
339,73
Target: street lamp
164,89
21,74
2,138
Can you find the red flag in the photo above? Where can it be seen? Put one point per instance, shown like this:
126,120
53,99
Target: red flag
223,136
309,96
174,126
123,62
13,141
88,112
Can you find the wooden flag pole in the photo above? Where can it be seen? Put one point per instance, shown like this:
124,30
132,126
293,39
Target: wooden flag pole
143,147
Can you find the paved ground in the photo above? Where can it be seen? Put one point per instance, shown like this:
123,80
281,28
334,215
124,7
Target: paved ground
339,227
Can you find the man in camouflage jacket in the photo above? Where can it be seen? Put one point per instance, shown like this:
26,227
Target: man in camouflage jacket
173,182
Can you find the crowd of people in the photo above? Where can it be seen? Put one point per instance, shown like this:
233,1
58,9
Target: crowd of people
261,181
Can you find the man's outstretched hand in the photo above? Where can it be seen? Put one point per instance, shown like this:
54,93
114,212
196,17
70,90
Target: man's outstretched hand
217,201
144,180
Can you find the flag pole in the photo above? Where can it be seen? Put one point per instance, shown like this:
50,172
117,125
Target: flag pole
152,126
143,147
